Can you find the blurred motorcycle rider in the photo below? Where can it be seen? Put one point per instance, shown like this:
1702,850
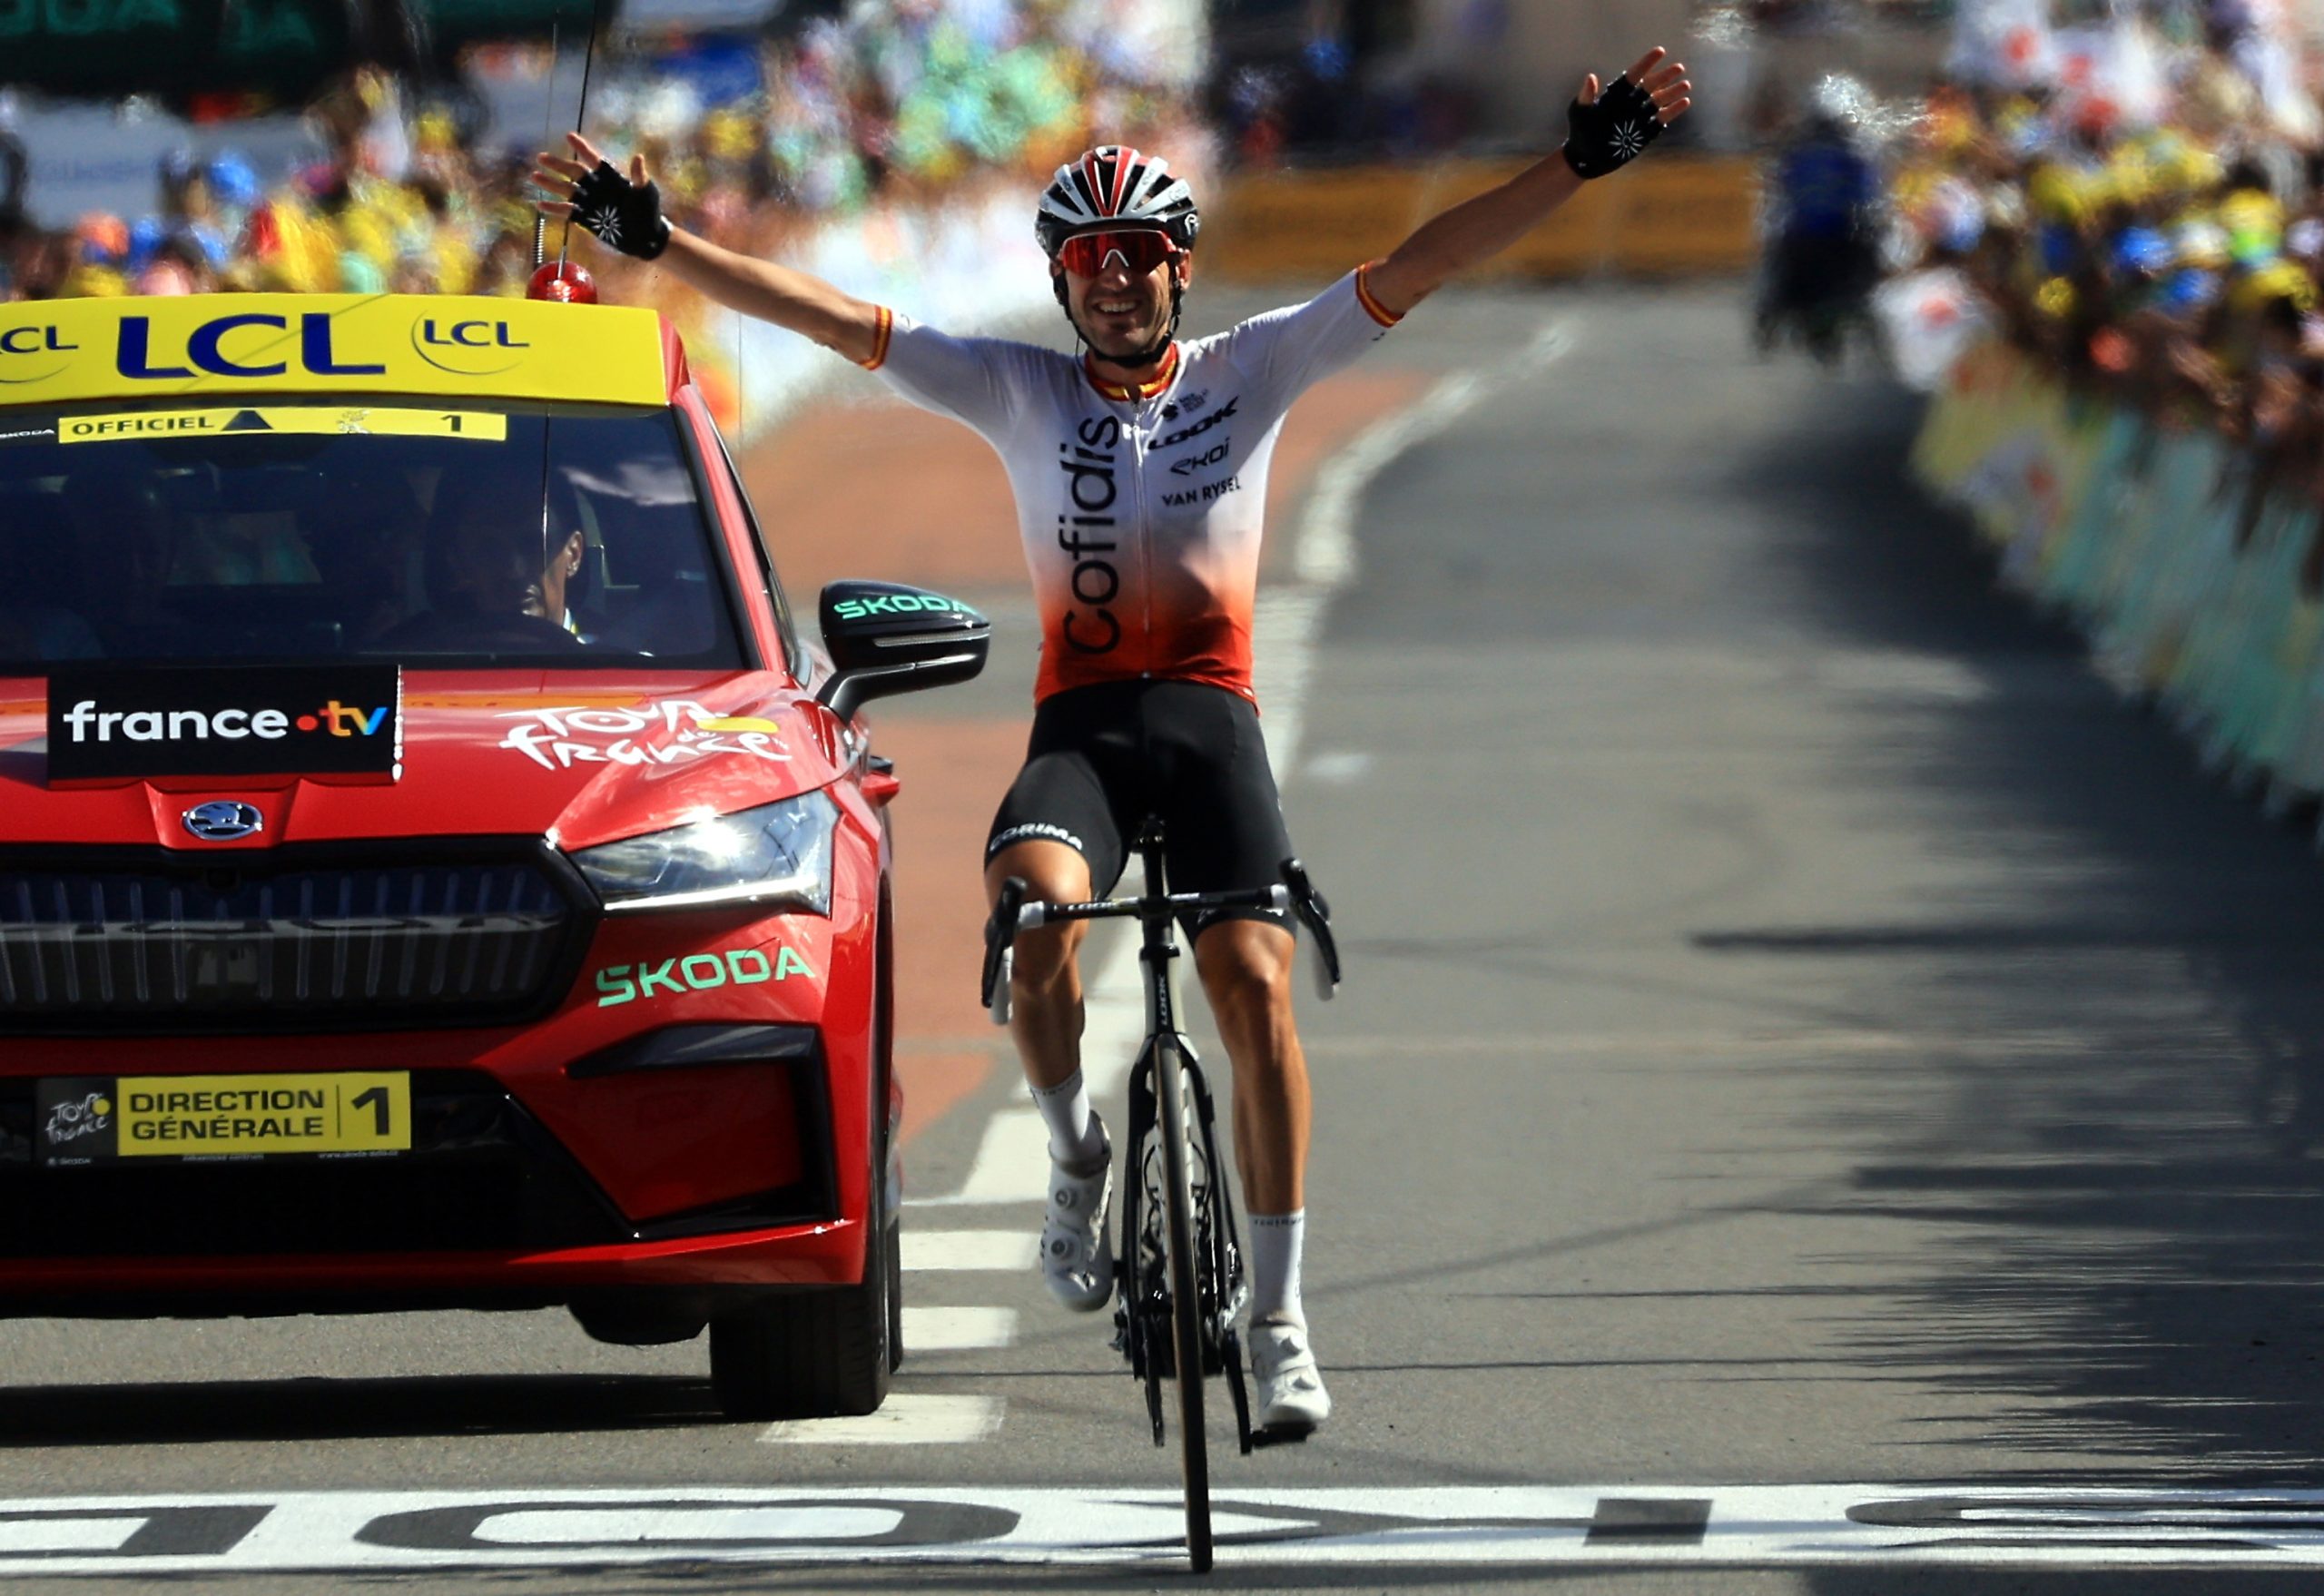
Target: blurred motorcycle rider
1823,257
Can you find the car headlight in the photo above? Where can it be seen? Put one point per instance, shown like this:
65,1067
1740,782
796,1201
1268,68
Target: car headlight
778,853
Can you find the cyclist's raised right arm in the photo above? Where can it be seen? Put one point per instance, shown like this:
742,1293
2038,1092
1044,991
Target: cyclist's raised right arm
626,216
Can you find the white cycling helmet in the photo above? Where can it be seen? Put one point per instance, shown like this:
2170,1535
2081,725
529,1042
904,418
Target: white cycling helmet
1112,185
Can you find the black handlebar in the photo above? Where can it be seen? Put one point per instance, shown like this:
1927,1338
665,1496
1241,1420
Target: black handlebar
999,932
1316,915
1295,895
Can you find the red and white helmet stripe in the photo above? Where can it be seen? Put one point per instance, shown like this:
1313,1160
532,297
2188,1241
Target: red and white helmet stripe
1113,185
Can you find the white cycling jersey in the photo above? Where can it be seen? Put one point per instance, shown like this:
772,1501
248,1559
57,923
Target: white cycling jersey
1141,507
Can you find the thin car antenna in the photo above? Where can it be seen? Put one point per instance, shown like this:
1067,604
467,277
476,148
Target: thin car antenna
565,243
581,119
540,234
548,137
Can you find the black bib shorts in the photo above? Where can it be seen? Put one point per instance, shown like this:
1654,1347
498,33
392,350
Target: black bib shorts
1102,758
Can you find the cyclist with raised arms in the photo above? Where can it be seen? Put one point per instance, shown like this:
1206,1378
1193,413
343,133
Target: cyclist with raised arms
1139,469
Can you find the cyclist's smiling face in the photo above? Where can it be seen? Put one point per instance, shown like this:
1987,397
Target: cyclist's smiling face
1120,313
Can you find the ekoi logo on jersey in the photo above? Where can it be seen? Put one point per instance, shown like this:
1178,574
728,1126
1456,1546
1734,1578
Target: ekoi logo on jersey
670,733
1085,531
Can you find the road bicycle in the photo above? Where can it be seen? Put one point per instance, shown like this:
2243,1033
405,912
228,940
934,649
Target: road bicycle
1178,1273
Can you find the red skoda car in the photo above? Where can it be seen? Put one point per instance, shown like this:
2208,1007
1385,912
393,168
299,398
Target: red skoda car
434,870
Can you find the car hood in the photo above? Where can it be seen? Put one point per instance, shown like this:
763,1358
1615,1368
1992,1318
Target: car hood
578,758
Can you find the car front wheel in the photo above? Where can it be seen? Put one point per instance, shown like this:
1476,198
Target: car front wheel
818,1354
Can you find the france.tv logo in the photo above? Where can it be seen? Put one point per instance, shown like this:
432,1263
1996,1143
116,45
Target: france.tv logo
89,724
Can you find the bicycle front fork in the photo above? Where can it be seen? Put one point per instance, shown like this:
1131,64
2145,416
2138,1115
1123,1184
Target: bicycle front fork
1142,1299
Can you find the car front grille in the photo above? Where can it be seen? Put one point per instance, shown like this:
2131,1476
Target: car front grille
278,942
481,1175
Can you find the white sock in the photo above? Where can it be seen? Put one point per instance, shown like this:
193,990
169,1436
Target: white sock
1073,1130
1276,1242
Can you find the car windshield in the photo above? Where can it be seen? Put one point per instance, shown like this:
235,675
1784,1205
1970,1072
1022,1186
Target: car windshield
542,536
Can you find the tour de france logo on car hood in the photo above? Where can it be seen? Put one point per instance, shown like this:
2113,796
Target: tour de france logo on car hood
671,732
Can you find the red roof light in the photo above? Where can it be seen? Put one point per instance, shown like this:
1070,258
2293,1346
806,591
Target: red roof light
563,281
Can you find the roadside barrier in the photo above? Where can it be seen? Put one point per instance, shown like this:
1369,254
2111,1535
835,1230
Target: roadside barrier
1672,215
2196,585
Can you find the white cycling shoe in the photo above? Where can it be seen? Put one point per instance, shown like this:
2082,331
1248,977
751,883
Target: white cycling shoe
1074,1257
1290,1398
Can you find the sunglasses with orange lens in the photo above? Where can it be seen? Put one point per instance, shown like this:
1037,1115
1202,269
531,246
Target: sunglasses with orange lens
1086,255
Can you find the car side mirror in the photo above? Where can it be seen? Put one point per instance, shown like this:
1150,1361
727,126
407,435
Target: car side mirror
887,638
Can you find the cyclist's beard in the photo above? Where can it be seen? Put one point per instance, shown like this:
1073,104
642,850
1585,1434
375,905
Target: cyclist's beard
1153,353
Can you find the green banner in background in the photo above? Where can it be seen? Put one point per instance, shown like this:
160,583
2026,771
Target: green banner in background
106,49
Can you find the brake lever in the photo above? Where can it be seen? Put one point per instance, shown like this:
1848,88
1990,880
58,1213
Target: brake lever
1316,915
1000,932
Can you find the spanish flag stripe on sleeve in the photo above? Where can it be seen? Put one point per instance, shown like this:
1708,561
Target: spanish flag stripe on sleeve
1371,307
879,340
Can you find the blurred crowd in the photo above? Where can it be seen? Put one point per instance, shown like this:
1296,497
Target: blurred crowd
873,101
2148,222
1313,105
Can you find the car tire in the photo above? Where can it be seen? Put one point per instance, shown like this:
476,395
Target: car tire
895,1295
820,1355
888,1128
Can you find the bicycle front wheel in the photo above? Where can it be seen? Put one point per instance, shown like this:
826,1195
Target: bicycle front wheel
1185,1294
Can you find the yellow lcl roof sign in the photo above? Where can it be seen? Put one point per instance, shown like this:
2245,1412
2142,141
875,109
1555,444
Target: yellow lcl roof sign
63,351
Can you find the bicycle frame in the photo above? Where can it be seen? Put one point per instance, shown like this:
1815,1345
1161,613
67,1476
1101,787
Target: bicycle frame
1180,1243
1169,1069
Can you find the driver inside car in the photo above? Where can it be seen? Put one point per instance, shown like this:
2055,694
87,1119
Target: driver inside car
499,572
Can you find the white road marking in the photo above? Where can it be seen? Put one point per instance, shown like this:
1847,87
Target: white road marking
1727,1044
937,1250
563,1527
1324,558
1325,554
20,1536
1339,767
908,1418
959,1329
1012,1162
1868,1527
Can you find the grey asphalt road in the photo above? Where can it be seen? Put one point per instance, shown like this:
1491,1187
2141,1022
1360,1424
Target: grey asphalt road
1800,1028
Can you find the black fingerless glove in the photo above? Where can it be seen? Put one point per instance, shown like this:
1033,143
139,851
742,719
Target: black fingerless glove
1611,134
624,216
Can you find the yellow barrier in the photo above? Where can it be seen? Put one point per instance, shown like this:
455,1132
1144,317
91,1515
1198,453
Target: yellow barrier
2192,587
1667,216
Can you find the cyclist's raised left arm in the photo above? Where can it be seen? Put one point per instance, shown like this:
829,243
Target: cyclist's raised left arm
1605,132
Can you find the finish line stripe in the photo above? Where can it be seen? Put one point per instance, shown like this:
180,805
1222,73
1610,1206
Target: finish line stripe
1759,1526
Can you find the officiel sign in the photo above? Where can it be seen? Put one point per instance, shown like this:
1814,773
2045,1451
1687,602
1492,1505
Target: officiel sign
112,724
